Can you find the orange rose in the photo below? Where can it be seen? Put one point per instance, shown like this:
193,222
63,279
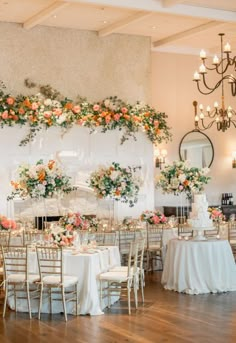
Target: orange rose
41,175
69,106
51,164
27,103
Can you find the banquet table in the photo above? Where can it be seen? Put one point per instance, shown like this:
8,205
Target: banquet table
86,266
198,267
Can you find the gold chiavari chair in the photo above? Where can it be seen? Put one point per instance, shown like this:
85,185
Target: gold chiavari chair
183,229
19,283
5,237
32,236
140,270
232,236
154,245
118,282
53,281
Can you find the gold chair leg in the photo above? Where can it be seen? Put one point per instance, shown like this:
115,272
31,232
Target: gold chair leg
40,300
28,300
64,302
5,300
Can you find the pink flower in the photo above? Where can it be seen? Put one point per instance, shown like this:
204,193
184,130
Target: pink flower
116,116
156,220
57,111
47,114
124,110
76,109
34,106
181,187
156,123
5,115
107,119
21,111
10,101
96,107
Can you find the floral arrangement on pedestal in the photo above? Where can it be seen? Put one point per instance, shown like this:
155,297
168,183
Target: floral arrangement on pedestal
153,217
73,221
117,183
49,108
216,214
6,223
181,178
42,180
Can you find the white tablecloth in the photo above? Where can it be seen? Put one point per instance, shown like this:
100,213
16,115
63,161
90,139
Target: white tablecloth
197,267
86,267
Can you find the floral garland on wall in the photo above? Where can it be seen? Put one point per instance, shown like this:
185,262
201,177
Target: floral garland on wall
49,108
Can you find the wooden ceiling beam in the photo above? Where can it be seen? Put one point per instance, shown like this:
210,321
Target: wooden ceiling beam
44,14
170,3
187,33
122,23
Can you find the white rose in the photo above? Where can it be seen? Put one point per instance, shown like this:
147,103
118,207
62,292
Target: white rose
61,119
47,102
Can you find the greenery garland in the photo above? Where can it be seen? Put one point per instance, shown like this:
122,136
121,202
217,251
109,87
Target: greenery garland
49,108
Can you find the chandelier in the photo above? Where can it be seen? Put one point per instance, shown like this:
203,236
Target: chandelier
221,116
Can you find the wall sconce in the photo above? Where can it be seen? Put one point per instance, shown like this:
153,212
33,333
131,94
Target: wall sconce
160,156
234,159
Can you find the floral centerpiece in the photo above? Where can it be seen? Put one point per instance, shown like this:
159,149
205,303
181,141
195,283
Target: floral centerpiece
117,183
49,108
216,214
62,236
73,221
6,223
92,223
153,217
181,178
42,180
129,223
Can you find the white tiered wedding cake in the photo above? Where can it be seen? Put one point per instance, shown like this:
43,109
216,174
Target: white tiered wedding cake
199,216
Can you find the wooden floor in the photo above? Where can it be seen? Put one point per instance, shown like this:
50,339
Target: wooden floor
166,317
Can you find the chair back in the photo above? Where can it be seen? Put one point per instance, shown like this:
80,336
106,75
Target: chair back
5,237
15,261
183,229
125,238
154,236
132,259
99,237
50,262
232,232
141,249
30,237
111,238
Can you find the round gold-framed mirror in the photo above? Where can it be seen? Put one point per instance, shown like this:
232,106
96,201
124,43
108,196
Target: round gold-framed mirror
197,148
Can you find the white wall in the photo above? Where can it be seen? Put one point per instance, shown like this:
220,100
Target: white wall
76,62
173,92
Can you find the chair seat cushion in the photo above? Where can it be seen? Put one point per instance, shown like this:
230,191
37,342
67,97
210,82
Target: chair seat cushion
18,278
56,280
114,276
122,269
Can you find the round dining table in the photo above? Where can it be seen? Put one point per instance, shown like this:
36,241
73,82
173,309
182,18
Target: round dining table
198,267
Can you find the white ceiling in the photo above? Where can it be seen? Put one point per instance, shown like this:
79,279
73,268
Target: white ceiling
173,25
